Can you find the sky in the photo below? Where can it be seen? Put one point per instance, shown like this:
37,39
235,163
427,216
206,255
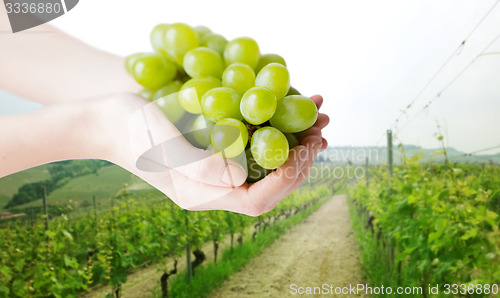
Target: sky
369,59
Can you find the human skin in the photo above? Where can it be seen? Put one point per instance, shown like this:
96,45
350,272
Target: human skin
88,101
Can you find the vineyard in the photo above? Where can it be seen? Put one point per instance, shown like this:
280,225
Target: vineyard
66,255
430,224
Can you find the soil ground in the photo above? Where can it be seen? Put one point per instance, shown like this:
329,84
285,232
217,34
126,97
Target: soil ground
320,250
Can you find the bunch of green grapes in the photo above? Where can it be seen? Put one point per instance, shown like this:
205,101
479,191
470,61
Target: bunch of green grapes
230,98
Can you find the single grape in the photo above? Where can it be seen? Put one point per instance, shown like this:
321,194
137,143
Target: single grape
171,87
269,147
229,137
269,58
130,60
220,103
157,38
171,107
179,38
258,105
147,93
242,50
202,62
275,77
255,172
202,31
215,42
193,90
153,71
294,113
202,128
293,91
238,76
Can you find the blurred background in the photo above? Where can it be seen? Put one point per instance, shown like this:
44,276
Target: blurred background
379,65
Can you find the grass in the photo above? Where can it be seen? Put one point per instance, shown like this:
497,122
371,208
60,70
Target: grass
79,192
211,276
11,183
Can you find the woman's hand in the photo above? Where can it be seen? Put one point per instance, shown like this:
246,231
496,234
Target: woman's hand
75,124
205,181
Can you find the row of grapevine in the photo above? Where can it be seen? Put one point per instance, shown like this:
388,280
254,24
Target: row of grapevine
438,224
73,255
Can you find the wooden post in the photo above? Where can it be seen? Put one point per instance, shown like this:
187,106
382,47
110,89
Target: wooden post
389,150
95,209
45,211
188,249
366,172
367,213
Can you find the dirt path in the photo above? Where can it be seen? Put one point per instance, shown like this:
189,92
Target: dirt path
320,250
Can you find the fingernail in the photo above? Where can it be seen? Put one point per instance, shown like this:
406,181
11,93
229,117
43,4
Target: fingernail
232,175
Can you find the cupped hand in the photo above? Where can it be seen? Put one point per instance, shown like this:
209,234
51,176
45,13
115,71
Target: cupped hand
143,141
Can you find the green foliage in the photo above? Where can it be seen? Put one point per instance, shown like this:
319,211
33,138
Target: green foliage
80,250
441,223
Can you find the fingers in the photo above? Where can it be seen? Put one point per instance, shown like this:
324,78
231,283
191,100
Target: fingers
324,144
266,193
311,136
306,169
210,168
322,121
318,100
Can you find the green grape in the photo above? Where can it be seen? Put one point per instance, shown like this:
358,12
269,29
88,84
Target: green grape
178,40
202,127
293,91
229,137
190,98
215,42
202,31
269,58
220,103
292,140
269,147
242,50
294,113
171,107
157,38
130,60
146,93
255,172
275,77
238,76
258,105
171,87
202,62
153,71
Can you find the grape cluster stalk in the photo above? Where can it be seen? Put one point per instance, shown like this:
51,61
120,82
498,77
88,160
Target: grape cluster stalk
230,97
